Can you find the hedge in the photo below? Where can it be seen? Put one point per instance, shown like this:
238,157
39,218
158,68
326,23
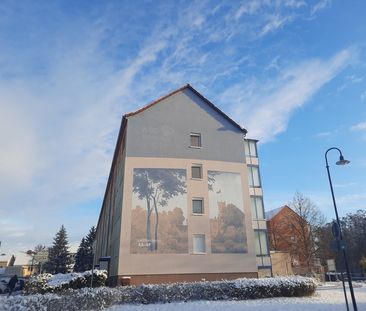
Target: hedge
103,297
48,283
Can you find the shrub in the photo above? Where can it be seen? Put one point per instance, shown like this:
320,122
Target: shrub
48,283
103,297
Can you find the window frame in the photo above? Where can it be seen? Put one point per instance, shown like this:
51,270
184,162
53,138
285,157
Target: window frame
196,235
256,207
257,233
194,134
251,176
201,171
202,206
248,149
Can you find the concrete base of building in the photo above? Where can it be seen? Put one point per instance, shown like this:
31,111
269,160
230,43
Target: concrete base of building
124,280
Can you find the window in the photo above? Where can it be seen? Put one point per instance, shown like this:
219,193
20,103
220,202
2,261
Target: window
261,245
197,206
253,176
250,147
257,207
197,171
196,140
199,244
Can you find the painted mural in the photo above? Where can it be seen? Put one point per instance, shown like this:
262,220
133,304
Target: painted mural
227,218
159,211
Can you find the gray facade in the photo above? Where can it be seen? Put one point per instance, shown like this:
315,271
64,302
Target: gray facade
163,131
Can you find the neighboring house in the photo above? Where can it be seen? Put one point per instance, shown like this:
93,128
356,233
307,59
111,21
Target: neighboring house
21,270
288,232
179,199
3,263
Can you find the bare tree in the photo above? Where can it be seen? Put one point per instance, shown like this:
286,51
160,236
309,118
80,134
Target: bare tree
293,229
305,226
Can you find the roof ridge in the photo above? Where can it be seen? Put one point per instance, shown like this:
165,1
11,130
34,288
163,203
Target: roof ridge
157,100
273,212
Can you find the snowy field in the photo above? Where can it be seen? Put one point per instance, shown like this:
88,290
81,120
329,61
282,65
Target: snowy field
326,298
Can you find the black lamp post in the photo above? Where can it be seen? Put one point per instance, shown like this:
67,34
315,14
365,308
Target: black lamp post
341,161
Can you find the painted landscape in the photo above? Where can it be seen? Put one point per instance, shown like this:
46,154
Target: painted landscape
227,218
159,213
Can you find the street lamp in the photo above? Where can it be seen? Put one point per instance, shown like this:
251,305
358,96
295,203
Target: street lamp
341,161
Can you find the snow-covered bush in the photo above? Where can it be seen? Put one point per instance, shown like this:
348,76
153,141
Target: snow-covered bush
103,297
48,283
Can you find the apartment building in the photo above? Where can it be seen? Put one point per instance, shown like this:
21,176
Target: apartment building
183,200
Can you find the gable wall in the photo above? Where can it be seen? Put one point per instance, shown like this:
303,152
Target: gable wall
163,131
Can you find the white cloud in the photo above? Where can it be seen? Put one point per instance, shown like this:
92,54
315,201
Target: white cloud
359,126
352,201
295,3
18,153
247,8
321,5
274,23
354,79
266,107
363,95
346,185
324,134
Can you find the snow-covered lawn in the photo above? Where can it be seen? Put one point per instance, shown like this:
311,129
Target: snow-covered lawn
327,298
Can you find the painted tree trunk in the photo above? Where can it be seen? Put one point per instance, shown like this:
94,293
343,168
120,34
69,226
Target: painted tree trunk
148,224
156,225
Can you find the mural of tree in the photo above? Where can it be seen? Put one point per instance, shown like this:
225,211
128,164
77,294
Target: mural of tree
227,219
172,234
157,188
228,234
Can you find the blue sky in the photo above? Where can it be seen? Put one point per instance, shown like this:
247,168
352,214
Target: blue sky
292,72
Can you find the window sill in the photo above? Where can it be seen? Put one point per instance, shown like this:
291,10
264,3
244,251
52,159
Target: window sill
198,253
198,179
195,147
197,214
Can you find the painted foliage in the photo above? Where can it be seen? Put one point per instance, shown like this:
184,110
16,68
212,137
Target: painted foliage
227,218
159,211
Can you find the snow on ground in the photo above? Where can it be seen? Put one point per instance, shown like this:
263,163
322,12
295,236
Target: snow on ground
327,298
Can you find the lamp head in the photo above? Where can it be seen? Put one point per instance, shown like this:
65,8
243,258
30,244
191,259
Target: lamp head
342,161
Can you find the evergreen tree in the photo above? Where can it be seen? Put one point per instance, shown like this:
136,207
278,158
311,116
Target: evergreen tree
80,257
84,255
58,256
